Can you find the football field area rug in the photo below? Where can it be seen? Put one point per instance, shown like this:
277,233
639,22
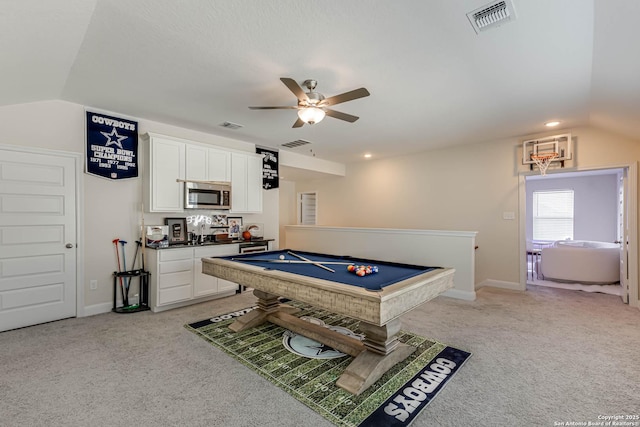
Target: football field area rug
308,370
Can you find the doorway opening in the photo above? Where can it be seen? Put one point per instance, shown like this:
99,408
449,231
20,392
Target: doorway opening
570,219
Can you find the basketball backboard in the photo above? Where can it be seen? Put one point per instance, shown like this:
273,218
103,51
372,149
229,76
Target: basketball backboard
560,144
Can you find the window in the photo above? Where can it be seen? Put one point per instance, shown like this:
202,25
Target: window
553,215
307,208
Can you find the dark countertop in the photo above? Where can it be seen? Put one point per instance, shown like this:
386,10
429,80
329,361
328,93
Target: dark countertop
255,242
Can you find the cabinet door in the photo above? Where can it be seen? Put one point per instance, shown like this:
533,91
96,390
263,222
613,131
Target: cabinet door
167,165
203,284
174,275
254,184
238,182
197,162
174,287
218,165
246,183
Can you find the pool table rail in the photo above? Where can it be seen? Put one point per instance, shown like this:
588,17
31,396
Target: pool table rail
375,307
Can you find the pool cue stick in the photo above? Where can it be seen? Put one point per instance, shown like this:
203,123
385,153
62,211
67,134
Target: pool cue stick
115,242
127,280
291,261
312,262
143,238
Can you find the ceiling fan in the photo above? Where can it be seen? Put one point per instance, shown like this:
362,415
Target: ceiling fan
312,106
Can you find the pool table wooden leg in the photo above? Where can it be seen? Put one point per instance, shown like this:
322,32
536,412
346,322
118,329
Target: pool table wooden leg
267,304
382,351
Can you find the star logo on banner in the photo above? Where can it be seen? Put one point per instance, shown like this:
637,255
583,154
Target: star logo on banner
114,139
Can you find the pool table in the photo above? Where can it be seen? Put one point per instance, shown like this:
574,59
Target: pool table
376,300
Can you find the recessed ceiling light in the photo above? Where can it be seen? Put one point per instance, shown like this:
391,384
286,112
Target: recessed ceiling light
367,156
552,123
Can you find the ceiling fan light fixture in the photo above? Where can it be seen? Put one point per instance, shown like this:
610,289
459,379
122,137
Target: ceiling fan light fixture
311,115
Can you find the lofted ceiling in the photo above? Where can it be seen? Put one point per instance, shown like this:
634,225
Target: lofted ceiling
433,81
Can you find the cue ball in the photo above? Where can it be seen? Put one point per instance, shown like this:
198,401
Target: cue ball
281,256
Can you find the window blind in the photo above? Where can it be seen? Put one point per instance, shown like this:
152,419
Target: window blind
308,208
553,215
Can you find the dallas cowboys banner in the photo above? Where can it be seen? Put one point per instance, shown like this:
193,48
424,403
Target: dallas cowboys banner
112,146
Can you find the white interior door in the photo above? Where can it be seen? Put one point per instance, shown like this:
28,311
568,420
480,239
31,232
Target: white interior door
623,234
38,247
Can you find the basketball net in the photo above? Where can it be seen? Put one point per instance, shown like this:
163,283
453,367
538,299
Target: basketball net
543,161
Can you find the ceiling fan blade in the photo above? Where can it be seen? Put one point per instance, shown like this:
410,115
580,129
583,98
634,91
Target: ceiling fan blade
342,116
347,96
298,124
295,88
274,108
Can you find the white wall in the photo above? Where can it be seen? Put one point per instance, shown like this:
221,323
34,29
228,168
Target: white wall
298,161
448,249
465,188
288,209
112,209
595,204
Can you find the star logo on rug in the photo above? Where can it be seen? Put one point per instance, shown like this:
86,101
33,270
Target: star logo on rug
320,348
114,139
306,347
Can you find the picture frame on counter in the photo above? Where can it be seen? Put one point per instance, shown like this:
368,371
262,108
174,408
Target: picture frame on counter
219,221
177,230
235,226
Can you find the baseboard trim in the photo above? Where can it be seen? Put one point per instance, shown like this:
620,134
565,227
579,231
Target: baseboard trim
491,283
458,294
92,310
105,307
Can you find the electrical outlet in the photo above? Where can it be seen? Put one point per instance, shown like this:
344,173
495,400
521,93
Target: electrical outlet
93,284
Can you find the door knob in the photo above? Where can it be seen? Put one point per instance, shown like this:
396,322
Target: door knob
69,245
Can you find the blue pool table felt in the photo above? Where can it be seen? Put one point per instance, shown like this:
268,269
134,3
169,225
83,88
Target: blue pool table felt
388,272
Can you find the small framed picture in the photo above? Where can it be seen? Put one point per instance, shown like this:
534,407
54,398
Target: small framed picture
235,226
219,221
177,230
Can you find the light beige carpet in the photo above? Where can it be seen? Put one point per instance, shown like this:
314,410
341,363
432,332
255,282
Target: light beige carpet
539,357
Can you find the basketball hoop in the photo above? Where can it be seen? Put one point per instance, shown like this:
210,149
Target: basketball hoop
543,161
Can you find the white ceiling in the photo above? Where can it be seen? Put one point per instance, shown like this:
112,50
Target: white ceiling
433,81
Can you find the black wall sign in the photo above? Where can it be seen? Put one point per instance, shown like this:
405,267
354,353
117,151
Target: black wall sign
112,146
270,176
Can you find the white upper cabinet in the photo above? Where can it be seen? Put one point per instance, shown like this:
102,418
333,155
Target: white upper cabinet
218,165
254,183
246,183
170,161
207,164
196,166
165,165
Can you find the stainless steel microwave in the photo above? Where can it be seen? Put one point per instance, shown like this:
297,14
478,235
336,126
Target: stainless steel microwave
207,195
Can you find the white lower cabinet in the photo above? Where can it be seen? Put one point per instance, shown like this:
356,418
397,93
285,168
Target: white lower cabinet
177,279
203,284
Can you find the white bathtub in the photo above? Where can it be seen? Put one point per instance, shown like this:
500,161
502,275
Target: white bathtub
581,261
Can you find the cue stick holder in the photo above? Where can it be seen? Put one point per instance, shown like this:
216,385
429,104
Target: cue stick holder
128,276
